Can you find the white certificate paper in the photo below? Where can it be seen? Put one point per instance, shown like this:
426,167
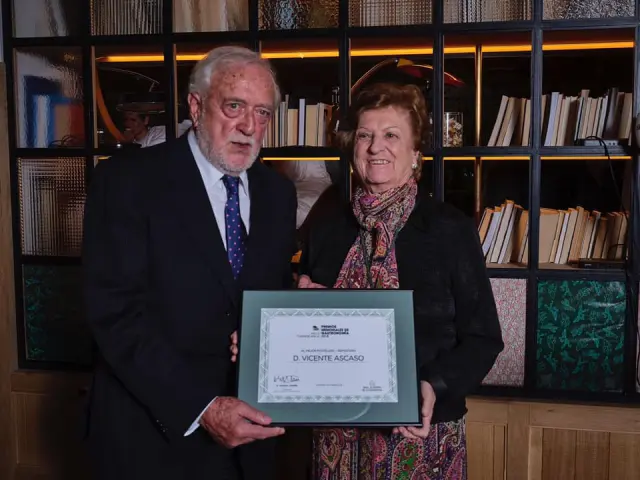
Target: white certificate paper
315,355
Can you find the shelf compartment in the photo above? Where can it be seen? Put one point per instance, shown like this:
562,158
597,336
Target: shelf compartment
126,17
306,111
587,87
460,87
510,296
585,203
37,20
130,88
210,16
53,325
570,9
580,335
465,11
297,14
504,99
49,97
51,202
377,13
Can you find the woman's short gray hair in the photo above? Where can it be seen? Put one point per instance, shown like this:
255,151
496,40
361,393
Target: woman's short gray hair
218,59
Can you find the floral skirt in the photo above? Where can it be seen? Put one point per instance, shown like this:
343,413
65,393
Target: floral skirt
352,454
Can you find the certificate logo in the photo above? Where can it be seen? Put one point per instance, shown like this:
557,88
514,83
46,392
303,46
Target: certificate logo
372,387
324,331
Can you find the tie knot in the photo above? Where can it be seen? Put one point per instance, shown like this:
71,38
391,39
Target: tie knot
231,184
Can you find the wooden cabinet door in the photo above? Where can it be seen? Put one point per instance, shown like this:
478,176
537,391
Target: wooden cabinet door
47,420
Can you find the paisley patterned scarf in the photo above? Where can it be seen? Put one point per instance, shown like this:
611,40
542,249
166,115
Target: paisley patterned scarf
371,261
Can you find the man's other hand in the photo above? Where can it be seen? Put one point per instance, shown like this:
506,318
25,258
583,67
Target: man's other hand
231,422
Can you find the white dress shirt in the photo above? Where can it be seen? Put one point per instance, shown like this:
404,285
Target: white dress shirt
158,134
217,193
311,179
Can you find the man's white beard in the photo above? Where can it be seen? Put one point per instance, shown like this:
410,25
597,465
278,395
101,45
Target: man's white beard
216,157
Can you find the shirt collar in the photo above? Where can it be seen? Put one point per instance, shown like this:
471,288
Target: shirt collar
210,173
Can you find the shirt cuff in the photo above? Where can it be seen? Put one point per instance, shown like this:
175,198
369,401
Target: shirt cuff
194,426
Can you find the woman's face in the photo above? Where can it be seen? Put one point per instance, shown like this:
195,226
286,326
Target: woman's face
384,152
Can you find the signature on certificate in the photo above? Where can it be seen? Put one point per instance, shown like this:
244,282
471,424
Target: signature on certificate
286,378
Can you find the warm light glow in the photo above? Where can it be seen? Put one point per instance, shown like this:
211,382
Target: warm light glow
306,54
588,46
558,47
378,52
134,58
406,51
505,48
584,157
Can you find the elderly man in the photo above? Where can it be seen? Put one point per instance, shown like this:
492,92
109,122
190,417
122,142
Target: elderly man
173,235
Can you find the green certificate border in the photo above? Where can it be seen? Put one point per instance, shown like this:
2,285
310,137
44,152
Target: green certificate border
404,411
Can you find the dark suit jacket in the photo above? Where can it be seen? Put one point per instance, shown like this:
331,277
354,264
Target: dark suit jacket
439,257
162,302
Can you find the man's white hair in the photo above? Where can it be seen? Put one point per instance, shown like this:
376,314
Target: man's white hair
221,58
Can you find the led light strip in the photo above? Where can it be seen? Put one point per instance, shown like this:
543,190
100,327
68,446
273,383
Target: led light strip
192,57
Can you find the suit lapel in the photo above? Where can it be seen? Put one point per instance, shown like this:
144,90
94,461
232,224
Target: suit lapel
194,209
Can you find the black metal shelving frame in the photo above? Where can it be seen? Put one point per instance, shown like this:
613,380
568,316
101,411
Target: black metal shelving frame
436,32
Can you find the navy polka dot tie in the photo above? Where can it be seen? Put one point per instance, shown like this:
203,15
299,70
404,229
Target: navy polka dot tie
236,233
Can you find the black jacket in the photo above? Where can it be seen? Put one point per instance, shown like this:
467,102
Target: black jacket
439,257
161,302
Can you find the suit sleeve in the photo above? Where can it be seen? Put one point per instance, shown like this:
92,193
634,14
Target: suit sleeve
116,276
461,370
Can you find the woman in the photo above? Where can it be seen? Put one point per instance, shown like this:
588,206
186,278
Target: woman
396,236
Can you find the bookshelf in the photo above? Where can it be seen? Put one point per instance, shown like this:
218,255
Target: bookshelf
467,56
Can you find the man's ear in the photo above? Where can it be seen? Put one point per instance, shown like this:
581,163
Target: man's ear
195,104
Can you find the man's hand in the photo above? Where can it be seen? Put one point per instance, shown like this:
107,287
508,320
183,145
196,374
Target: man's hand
305,282
229,421
428,402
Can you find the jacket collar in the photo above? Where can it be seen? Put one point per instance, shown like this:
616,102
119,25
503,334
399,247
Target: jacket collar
194,209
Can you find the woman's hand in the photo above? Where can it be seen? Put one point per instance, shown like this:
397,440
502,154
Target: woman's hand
234,346
428,401
305,282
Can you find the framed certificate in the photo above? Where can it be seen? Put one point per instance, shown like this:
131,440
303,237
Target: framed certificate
329,357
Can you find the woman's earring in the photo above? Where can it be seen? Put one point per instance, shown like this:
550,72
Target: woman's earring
414,166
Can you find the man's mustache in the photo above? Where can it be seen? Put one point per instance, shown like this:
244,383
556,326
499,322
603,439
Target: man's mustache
246,140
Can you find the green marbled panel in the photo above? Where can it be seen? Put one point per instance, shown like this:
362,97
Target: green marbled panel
580,336
54,325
